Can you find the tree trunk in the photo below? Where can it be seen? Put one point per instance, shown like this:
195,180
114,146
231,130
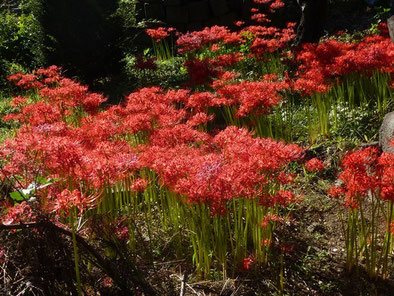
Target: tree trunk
311,27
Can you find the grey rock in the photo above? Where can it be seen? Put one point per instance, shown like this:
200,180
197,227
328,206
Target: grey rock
314,227
390,25
386,133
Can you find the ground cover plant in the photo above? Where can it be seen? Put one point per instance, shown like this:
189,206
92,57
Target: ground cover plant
207,171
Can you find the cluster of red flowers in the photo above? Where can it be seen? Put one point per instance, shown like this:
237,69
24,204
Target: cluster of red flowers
264,39
320,65
366,172
315,165
159,33
65,137
230,165
18,214
145,64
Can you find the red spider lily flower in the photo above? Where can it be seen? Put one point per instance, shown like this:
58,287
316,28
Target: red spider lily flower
384,30
107,282
336,192
200,71
17,101
247,262
277,4
147,64
67,199
322,64
365,172
315,165
26,81
196,40
159,33
270,218
122,232
19,213
286,249
260,18
228,166
286,178
392,227
215,47
139,185
199,118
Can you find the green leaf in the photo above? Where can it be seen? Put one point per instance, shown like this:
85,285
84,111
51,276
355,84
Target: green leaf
17,196
42,180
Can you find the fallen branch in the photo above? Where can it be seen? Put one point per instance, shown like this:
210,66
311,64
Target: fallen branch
108,267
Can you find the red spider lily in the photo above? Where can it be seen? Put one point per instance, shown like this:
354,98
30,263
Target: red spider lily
286,249
260,18
277,4
365,171
314,165
200,71
247,262
254,96
215,47
18,101
19,213
196,40
147,64
159,33
67,199
139,185
211,177
199,118
321,64
107,282
122,232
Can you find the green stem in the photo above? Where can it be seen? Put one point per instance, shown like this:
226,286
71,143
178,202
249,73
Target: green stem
75,247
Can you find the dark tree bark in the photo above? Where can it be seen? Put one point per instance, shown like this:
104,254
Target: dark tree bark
390,26
311,27
82,36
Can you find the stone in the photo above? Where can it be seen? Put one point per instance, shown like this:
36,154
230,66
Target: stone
199,11
386,133
154,11
219,7
390,26
177,14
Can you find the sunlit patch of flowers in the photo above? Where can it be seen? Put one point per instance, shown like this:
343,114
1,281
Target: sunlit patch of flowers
366,189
